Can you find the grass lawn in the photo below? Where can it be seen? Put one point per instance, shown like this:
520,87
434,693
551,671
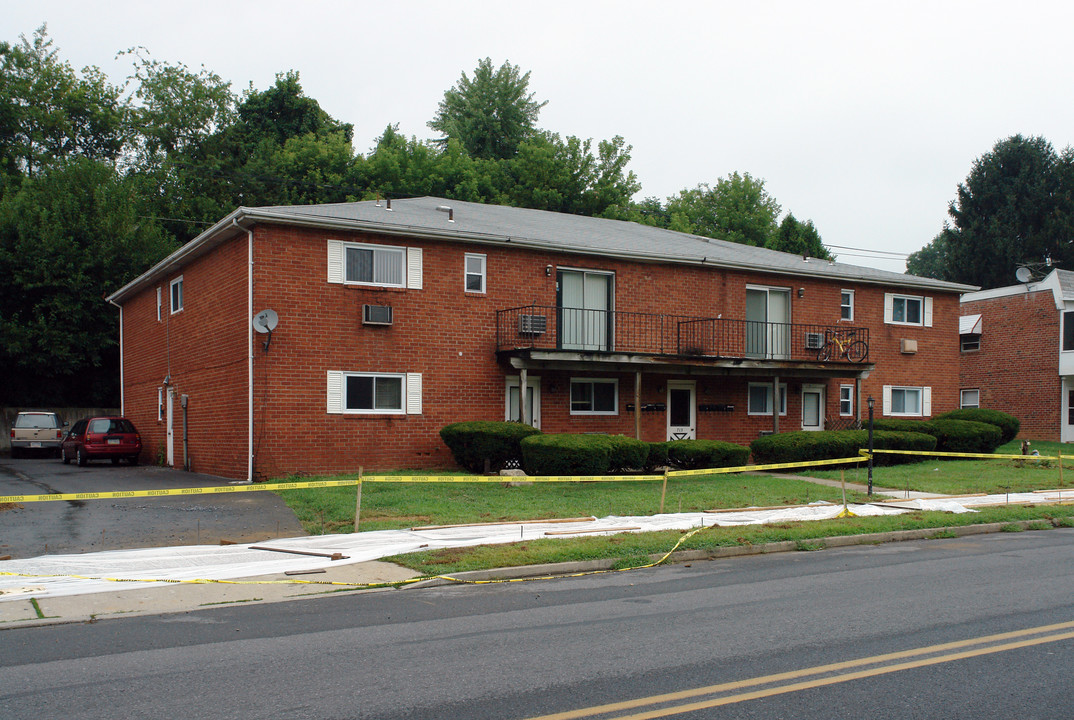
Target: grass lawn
402,505
389,506
957,477
634,549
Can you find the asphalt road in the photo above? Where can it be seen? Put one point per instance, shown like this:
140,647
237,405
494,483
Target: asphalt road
77,526
800,635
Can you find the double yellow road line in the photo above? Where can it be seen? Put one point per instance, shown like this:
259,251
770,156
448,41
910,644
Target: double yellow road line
710,696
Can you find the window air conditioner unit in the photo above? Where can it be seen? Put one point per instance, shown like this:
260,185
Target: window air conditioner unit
376,314
532,324
814,341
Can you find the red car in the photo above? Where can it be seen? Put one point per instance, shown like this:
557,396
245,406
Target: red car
102,437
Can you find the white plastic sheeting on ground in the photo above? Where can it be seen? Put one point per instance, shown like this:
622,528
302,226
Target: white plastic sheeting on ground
239,561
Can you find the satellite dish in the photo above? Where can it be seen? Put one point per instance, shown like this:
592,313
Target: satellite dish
265,321
1023,274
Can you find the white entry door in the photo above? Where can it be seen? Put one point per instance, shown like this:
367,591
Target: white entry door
533,402
682,410
1066,422
812,407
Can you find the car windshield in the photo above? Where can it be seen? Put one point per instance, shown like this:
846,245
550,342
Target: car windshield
35,420
110,425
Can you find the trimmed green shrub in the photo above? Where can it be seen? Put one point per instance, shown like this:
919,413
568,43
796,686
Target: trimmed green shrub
658,456
1009,425
951,435
966,436
804,445
471,443
626,453
566,454
698,454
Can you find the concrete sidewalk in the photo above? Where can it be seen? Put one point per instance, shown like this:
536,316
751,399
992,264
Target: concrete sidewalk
134,598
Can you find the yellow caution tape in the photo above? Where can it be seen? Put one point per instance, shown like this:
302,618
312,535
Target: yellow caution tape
263,487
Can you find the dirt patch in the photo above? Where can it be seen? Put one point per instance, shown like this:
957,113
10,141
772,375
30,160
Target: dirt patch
9,506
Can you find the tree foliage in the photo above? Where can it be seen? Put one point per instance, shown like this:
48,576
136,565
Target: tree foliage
490,114
739,209
1015,207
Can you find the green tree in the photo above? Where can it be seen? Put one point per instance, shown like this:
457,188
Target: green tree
1015,206
800,238
283,112
490,114
69,236
931,260
48,112
739,209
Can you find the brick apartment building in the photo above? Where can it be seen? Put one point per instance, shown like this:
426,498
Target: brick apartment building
1017,346
395,319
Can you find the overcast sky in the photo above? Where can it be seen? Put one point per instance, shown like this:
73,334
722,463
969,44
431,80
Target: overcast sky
863,117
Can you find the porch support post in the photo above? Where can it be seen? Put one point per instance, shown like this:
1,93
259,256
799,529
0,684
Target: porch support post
775,404
637,405
857,398
522,380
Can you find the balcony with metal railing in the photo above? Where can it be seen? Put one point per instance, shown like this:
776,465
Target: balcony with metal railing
578,330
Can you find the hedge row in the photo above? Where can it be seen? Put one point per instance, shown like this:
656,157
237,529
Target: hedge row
804,445
951,435
498,443
1009,425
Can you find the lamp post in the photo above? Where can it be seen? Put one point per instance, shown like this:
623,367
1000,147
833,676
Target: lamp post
871,403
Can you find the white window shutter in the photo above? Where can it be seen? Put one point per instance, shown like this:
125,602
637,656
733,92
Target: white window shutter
413,393
335,261
413,268
886,409
335,392
928,312
926,401
889,305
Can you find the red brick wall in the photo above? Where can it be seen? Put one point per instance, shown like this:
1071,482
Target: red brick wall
1017,367
448,336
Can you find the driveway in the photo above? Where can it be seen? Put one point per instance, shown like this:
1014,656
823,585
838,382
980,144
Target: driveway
77,526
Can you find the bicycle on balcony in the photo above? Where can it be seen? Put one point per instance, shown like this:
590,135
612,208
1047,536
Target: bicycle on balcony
843,345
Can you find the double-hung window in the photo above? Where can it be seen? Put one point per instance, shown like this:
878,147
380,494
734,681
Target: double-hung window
846,305
846,400
1068,331
474,270
907,310
907,401
759,401
177,295
594,397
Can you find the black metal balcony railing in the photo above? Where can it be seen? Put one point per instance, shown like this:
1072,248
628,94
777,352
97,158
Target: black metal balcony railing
546,327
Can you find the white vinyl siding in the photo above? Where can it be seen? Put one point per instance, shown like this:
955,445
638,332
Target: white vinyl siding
375,265
907,310
374,393
907,401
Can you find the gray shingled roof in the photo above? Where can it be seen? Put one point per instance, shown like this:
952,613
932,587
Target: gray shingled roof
560,232
1066,283
580,234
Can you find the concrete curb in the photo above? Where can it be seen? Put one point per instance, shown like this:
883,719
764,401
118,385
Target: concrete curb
822,543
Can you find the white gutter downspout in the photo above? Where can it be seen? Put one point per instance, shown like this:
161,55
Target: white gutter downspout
250,346
122,393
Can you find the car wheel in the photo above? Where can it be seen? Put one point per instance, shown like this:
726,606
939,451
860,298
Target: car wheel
63,456
15,453
115,461
80,457
133,459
